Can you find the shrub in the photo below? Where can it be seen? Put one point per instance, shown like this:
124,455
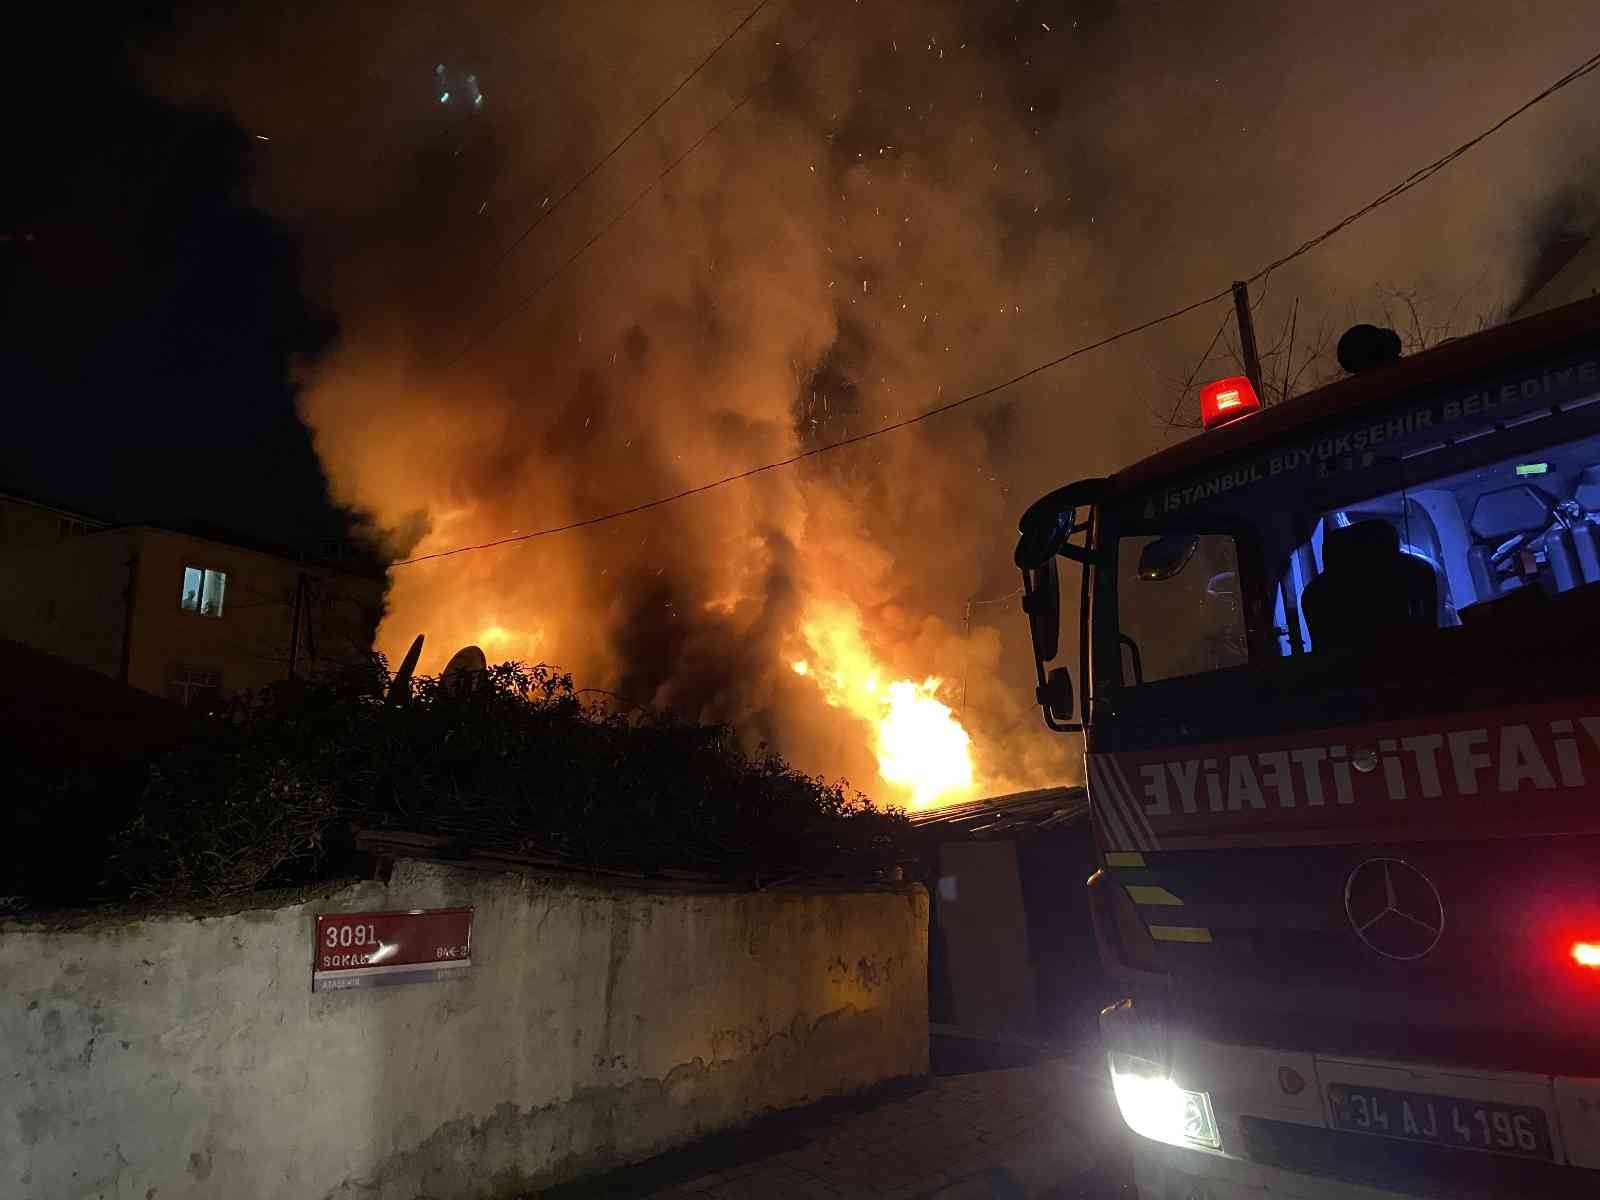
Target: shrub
511,761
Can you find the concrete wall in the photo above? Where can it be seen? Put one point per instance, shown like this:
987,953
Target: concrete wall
176,1056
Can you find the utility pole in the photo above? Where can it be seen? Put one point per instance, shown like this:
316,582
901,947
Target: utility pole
129,595
1247,337
308,606
294,629
966,650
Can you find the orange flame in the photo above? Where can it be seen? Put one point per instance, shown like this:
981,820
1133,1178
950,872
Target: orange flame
921,748
499,642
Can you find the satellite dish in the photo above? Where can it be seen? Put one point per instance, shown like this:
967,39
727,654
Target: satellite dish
400,687
466,666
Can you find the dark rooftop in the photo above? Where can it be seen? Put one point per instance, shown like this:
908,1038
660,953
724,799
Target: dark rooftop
1019,813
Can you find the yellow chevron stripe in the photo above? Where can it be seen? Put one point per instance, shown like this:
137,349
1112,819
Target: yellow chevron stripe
1124,858
1179,933
1147,894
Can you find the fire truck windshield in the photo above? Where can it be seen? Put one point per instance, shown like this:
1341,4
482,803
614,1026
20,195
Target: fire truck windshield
1348,546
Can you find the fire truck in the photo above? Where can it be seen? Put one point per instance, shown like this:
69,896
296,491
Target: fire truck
1338,666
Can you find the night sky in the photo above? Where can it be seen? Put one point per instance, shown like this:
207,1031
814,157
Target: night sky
154,313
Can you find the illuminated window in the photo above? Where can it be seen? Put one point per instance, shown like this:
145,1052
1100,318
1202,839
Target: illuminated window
194,687
202,591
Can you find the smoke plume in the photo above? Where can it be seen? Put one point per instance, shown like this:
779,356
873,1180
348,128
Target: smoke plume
923,198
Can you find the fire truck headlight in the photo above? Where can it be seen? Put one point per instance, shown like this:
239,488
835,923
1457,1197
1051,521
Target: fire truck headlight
1156,1107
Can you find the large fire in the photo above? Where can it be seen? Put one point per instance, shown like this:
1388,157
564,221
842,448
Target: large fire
903,219
827,264
921,748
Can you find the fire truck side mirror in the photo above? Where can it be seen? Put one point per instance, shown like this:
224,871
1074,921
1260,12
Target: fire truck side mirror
1044,530
1041,600
1055,694
1047,527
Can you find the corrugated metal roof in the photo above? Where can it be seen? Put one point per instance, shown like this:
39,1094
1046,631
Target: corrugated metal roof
1014,815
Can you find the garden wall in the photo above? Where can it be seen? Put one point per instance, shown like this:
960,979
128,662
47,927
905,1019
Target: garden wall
167,1056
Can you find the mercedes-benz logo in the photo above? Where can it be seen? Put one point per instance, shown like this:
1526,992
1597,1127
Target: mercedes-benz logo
1394,908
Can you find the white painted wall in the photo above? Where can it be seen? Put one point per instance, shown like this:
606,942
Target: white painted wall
171,1056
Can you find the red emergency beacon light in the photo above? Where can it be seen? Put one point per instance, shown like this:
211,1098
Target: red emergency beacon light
1227,400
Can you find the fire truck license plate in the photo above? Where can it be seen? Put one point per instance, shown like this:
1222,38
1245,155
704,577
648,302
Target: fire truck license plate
1441,1120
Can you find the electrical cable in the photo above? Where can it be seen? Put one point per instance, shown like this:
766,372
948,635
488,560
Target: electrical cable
816,450
1422,174
1410,181
545,212
1011,595
530,296
1172,417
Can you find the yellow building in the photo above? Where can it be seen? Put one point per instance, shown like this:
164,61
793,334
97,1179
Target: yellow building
191,617
29,523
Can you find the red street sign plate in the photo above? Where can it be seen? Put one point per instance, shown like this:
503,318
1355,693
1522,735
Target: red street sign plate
371,949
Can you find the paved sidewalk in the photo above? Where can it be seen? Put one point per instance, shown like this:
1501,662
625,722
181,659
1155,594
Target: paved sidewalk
1049,1130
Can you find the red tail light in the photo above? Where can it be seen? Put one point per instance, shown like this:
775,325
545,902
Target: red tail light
1586,954
1227,400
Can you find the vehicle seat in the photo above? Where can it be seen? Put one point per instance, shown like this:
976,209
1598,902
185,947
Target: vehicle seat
1368,588
1498,517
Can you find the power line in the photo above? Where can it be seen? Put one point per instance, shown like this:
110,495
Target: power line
1183,392
1419,176
1007,598
1410,181
530,296
1172,417
628,137
1422,174
970,398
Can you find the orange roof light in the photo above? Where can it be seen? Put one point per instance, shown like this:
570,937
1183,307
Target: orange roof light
1586,954
1227,400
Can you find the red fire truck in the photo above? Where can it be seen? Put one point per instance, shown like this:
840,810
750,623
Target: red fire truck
1340,671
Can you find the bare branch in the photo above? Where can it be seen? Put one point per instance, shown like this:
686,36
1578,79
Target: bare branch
1288,355
1188,384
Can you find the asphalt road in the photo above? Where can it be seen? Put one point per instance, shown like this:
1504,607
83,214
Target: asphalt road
996,1120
